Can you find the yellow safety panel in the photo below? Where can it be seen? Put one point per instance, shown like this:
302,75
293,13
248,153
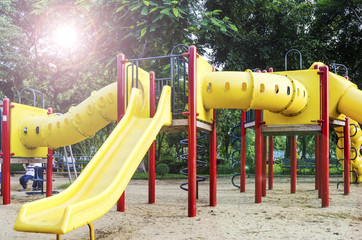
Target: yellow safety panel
106,176
17,113
203,67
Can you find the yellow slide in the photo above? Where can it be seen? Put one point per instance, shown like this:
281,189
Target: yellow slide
105,178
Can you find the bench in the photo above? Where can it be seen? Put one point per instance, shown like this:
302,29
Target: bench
39,178
307,163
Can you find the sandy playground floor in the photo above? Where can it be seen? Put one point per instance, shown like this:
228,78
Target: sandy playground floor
281,215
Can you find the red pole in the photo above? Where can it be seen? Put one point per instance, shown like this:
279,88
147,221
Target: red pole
121,107
213,159
270,160
316,154
192,132
213,162
293,164
346,167
324,164
49,183
152,149
320,169
242,151
5,146
1,178
264,146
258,157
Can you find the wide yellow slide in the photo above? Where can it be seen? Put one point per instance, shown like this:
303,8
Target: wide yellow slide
106,176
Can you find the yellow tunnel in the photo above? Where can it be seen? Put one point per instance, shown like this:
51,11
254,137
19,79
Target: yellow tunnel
248,90
81,121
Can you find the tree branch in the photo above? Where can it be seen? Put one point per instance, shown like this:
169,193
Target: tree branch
355,13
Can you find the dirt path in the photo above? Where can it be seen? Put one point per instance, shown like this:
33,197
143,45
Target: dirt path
281,215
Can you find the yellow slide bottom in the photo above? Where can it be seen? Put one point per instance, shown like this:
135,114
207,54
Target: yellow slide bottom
105,178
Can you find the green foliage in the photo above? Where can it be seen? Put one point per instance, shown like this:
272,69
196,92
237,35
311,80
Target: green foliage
162,169
327,31
16,167
64,186
13,48
141,175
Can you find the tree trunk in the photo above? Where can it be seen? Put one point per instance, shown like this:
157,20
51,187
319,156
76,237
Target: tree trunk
303,141
159,140
287,147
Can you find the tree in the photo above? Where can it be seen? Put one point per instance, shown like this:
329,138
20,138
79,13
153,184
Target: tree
337,26
325,30
29,56
13,49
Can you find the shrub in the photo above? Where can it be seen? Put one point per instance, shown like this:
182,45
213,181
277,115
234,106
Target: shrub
162,169
16,167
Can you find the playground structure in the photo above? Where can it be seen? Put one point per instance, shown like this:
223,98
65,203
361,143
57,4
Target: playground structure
296,103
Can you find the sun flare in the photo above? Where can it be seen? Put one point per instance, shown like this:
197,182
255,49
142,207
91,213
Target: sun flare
65,36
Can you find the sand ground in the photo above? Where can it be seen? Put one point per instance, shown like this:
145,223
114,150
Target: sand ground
281,215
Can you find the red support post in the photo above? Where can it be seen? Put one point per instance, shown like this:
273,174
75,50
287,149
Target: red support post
121,108
213,162
320,170
271,162
213,158
1,179
293,164
192,150
49,174
5,147
316,154
258,157
324,161
264,146
346,167
242,151
152,149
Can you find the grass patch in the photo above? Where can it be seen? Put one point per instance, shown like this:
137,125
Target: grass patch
142,175
64,186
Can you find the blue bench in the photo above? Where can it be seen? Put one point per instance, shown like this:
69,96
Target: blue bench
39,178
307,163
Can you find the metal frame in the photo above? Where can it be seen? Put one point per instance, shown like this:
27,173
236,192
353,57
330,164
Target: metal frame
177,73
336,65
34,96
286,58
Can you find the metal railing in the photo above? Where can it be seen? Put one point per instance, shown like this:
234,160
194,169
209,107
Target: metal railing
176,77
286,58
34,92
335,66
